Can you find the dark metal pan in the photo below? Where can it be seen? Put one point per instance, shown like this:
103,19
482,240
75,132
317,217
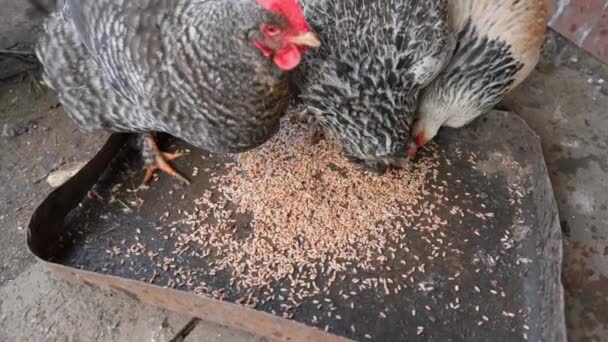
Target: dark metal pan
509,286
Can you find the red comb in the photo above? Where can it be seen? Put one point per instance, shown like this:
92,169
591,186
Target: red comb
290,10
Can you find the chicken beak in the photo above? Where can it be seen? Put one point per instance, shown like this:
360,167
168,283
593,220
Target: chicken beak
412,148
306,39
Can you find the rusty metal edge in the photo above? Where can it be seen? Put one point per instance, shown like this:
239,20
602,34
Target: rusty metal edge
46,225
207,309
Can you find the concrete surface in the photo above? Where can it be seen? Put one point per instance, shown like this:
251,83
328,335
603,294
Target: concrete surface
34,307
205,332
565,102
18,23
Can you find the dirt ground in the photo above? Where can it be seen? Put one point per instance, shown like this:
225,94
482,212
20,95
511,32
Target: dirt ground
565,102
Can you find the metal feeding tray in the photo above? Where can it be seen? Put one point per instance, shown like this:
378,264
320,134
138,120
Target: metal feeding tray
503,284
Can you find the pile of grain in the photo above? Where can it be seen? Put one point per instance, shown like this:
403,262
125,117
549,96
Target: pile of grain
313,214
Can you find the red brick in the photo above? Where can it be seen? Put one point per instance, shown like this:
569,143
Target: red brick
585,22
597,43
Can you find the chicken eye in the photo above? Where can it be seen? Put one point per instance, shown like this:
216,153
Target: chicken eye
270,30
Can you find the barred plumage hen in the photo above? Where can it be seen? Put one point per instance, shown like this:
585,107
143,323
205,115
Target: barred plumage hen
211,72
362,85
499,44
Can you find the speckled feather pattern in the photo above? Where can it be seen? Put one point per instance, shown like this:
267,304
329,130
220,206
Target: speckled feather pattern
183,67
499,44
362,84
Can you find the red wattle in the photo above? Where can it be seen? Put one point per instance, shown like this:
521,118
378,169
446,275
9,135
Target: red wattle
288,58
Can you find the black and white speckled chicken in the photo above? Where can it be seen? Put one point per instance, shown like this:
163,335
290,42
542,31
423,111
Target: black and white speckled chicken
362,84
499,44
213,73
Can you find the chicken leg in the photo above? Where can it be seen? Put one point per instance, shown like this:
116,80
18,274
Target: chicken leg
155,159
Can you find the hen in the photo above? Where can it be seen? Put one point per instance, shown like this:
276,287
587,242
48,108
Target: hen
499,44
213,73
362,84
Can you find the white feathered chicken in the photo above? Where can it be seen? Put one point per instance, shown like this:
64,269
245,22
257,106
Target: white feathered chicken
499,44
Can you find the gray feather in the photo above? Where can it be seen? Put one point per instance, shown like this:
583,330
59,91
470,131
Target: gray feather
187,68
363,84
